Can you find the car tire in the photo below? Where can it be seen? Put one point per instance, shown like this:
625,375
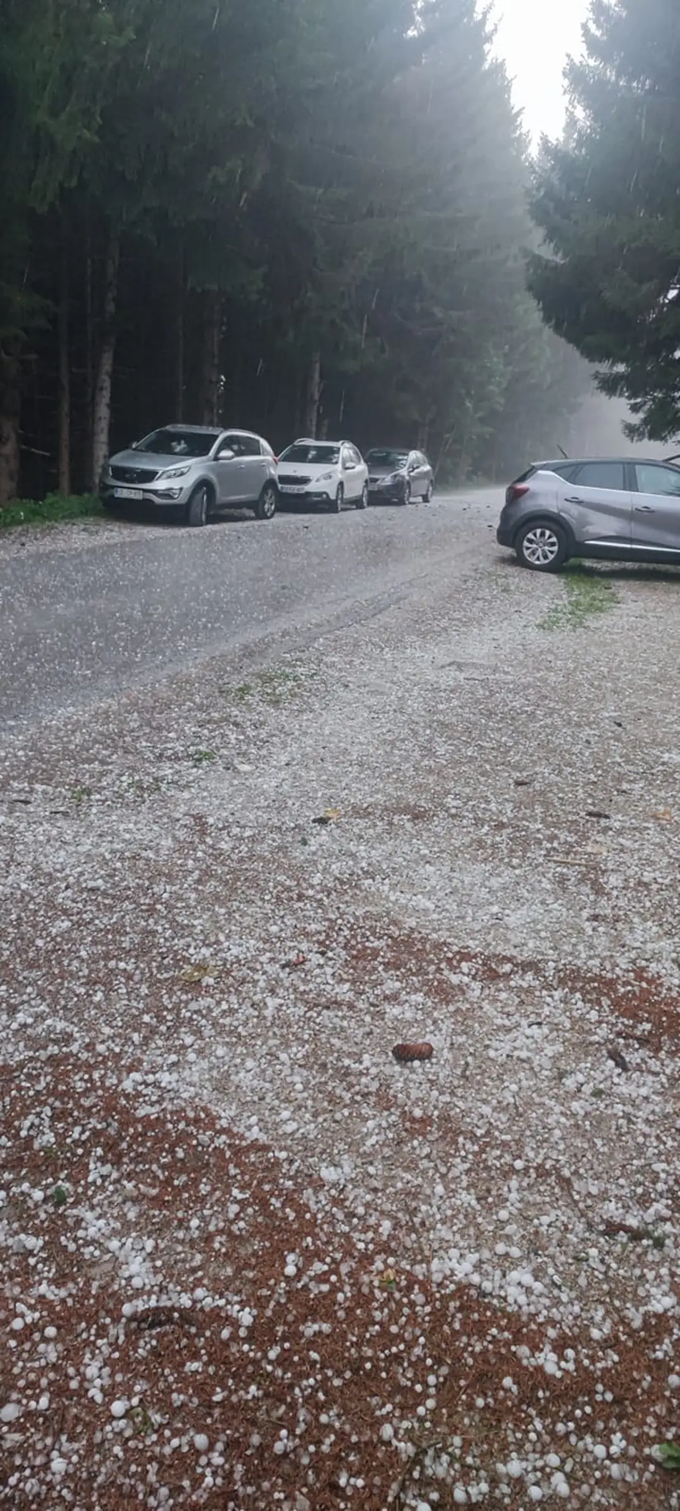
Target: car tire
406,495
338,501
198,507
427,496
362,502
267,502
542,546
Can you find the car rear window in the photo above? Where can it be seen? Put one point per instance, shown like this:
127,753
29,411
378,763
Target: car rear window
601,475
562,469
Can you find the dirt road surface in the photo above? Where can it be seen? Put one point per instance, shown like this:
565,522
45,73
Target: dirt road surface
318,790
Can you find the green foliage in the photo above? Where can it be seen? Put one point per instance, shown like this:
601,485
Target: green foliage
52,510
669,1455
607,202
587,595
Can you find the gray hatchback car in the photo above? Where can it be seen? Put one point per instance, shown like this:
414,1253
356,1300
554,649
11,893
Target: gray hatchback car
616,510
398,476
196,470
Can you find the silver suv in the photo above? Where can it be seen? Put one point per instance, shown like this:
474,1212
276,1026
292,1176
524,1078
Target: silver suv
197,470
612,510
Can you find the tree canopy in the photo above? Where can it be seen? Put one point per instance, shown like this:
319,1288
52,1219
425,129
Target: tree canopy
607,203
290,215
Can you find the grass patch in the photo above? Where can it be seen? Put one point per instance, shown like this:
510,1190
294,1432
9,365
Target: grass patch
80,794
587,595
273,686
52,510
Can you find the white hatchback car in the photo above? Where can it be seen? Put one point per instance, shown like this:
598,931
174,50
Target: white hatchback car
330,473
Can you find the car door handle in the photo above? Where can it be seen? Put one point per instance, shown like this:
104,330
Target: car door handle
644,509
573,500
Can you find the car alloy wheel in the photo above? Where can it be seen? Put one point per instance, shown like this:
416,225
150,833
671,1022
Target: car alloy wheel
406,499
338,501
362,502
266,507
429,492
542,547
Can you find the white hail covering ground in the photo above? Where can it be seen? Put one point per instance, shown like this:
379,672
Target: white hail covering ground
496,873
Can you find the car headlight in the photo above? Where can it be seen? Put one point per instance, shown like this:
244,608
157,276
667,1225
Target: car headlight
175,472
394,477
326,477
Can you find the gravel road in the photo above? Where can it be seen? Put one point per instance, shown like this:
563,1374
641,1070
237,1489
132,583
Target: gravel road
87,611
379,786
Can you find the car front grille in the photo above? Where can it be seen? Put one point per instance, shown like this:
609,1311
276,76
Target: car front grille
287,481
133,475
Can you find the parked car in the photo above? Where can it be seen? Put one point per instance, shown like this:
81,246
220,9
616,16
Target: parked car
197,470
326,473
617,510
396,476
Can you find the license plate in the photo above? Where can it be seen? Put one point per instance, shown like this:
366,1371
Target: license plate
128,493
286,488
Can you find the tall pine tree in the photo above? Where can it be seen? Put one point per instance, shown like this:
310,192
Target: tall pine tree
607,202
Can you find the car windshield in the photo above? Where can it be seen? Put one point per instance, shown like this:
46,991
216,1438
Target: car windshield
190,443
312,456
387,458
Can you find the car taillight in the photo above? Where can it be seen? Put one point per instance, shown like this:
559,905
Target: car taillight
517,490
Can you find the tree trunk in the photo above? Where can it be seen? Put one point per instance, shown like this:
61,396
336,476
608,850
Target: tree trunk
89,352
101,424
297,417
9,456
180,342
313,399
235,384
210,365
64,456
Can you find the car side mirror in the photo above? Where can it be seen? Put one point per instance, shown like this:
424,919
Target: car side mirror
134,445
225,456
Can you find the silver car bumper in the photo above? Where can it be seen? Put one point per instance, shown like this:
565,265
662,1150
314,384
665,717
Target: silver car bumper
157,495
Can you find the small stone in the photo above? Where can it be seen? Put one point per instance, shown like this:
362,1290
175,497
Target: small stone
10,1412
119,1409
201,1442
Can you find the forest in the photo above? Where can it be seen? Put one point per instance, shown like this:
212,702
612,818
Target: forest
297,216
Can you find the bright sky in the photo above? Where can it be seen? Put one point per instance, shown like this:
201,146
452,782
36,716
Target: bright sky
535,38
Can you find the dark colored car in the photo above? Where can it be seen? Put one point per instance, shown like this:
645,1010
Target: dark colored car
614,509
399,476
